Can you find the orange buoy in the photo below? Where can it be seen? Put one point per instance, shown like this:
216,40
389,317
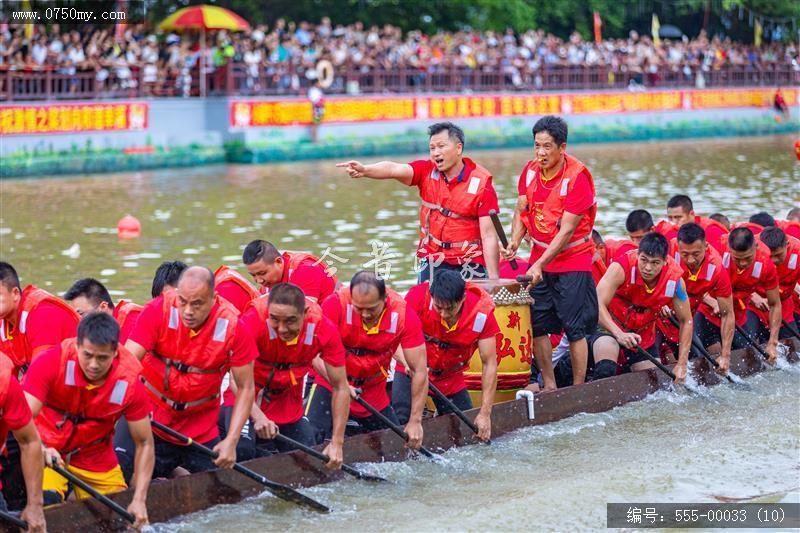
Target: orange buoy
797,149
129,227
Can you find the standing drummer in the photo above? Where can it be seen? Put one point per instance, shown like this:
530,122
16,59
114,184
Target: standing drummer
556,206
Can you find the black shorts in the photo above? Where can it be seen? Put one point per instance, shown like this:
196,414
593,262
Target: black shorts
169,456
565,301
319,410
631,356
401,399
710,334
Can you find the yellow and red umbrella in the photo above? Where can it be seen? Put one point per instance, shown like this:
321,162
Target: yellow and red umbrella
204,17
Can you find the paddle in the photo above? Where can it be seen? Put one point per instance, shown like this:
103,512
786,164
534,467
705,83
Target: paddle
697,344
283,492
458,412
105,500
641,351
11,519
740,330
501,234
322,457
391,425
791,329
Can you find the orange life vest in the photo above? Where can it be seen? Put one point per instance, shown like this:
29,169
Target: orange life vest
716,232
451,351
225,273
616,248
790,227
184,371
292,260
752,226
7,370
280,366
746,282
123,312
369,356
448,216
634,307
543,225
15,342
666,228
73,418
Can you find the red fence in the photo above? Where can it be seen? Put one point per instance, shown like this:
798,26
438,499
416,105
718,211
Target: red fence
237,80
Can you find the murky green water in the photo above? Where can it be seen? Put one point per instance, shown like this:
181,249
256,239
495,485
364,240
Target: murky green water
206,215
557,477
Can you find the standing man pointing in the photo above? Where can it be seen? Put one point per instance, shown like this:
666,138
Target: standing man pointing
457,196
556,206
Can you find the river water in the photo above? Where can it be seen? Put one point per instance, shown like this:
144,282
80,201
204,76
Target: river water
668,448
206,215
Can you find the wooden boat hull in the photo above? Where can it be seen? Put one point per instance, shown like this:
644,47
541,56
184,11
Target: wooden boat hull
175,497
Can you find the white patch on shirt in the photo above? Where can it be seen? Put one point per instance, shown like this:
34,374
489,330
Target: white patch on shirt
69,379
792,261
474,183
23,322
393,326
480,322
726,260
173,318
757,269
220,329
670,290
272,334
564,187
710,272
118,394
349,315
309,334
633,275
529,177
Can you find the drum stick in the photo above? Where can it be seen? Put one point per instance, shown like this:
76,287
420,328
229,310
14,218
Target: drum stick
501,234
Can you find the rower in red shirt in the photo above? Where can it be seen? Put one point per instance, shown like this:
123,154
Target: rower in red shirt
638,223
457,317
31,319
750,269
188,339
269,267
785,255
77,392
234,287
456,230
680,211
15,417
631,294
706,280
291,332
87,295
166,277
376,325
607,250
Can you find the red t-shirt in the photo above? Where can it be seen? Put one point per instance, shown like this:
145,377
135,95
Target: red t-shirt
48,325
14,413
287,408
488,201
374,392
127,327
313,280
199,425
44,372
234,293
578,201
453,382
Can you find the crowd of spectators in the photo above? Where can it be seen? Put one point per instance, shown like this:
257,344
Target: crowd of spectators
288,53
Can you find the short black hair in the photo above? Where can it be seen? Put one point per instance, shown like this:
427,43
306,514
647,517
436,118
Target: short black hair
555,126
260,250
639,220
597,238
448,286
369,278
92,290
454,132
773,237
654,244
741,239
99,328
8,276
287,294
762,218
722,219
793,213
682,201
691,232
167,273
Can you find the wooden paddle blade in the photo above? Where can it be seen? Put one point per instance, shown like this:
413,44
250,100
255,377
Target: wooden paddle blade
362,475
283,492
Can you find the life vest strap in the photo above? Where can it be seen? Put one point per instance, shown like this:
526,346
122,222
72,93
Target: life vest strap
447,245
573,244
441,344
445,211
437,373
172,404
361,352
360,382
68,455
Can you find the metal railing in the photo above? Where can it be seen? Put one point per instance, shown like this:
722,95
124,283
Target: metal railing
288,80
